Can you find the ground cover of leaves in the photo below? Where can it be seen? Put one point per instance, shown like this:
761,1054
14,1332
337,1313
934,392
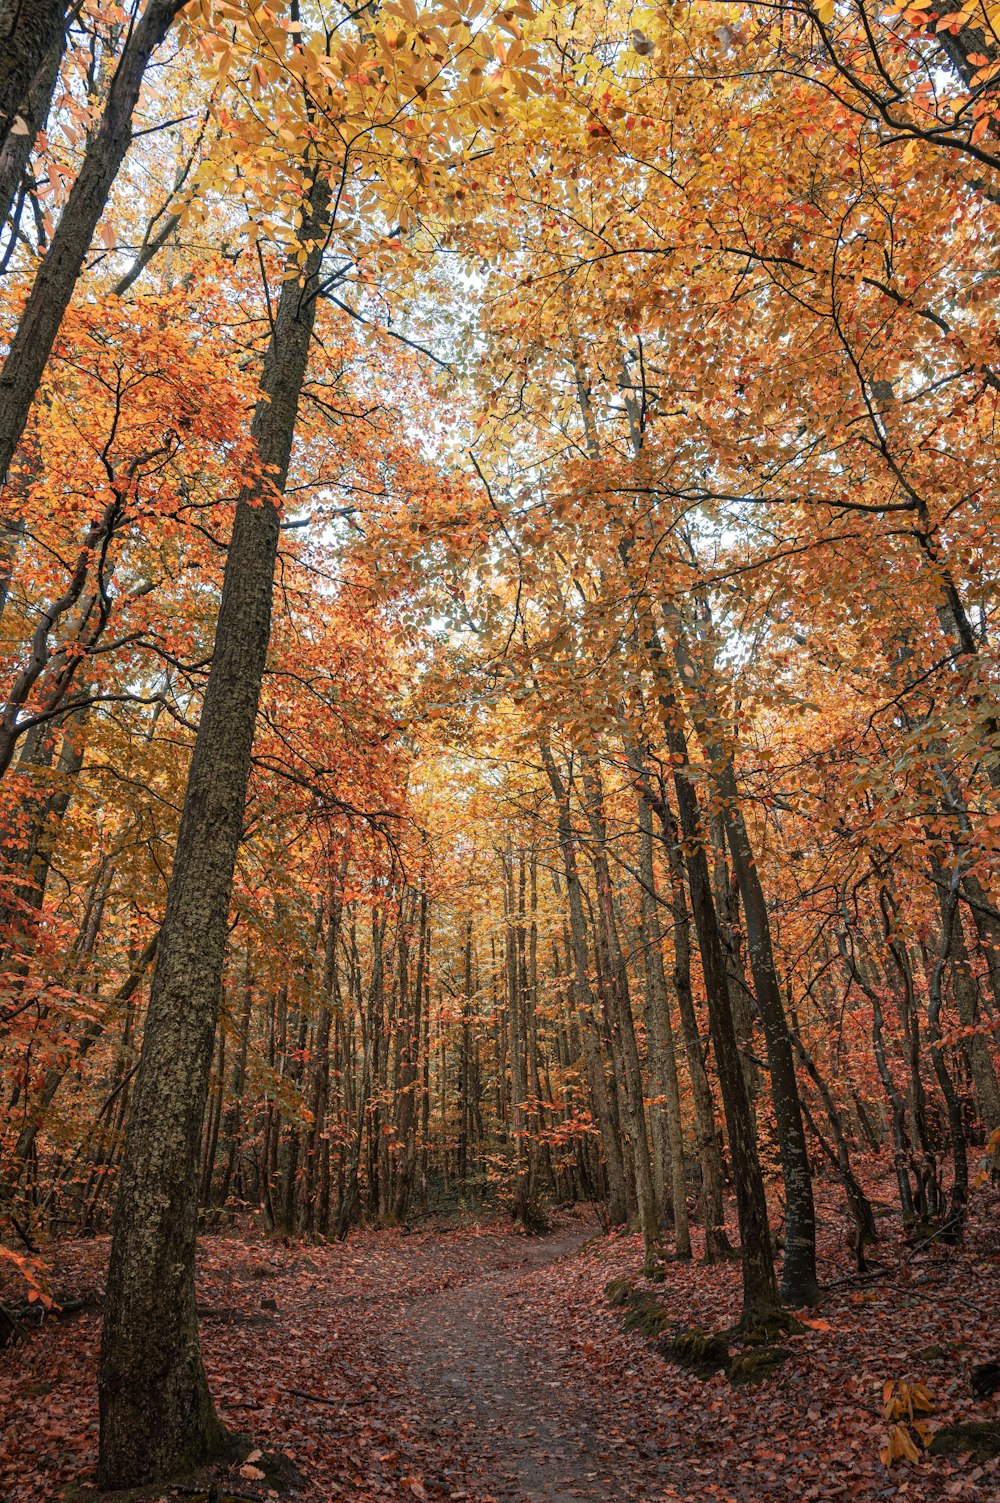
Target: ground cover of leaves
475,1364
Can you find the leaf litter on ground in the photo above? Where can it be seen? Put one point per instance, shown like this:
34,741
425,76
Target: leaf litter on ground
478,1365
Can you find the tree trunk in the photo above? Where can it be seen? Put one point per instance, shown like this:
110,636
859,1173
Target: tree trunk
584,1001
661,1031
799,1282
29,31
621,1021
15,152
717,1246
57,276
760,1291
157,1415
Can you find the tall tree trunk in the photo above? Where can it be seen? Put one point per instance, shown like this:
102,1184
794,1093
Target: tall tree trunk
29,31
900,1137
583,998
514,915
799,1283
15,152
717,1246
966,990
960,1163
157,1415
406,1084
465,1064
621,1021
661,1030
348,1208
321,1076
760,1291
858,1204
232,1125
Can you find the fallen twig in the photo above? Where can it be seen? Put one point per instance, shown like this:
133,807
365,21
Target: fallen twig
317,1398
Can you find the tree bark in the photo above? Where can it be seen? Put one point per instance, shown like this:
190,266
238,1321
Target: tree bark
157,1414
584,1000
29,31
799,1283
717,1246
760,1291
15,153
661,1031
620,1018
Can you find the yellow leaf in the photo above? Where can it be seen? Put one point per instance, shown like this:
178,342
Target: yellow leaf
906,1447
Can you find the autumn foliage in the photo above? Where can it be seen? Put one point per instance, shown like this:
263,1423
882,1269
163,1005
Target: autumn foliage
622,819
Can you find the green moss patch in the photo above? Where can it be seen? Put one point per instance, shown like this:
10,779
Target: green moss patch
646,1316
764,1329
757,1363
979,1439
701,1351
619,1292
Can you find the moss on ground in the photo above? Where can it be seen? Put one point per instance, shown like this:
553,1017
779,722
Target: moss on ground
646,1316
705,1353
979,1439
757,1363
765,1329
619,1292
702,1351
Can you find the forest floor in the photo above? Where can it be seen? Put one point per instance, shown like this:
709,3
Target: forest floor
474,1364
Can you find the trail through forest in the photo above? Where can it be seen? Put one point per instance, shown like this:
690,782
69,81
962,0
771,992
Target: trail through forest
471,1364
502,1398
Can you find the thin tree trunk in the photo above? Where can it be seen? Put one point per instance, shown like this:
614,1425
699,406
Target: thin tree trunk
584,1001
760,1291
661,1030
621,1021
799,1282
717,1245
58,274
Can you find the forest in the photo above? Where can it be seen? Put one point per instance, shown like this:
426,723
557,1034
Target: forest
499,751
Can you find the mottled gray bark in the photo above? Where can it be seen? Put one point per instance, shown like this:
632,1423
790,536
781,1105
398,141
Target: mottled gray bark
29,30
760,1292
799,1282
15,153
620,1018
960,1161
977,1051
659,1026
717,1247
157,1414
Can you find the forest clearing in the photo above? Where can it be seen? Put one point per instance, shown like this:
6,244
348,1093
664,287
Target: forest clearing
499,750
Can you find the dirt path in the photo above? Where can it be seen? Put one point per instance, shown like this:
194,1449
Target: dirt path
500,1400
469,1365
